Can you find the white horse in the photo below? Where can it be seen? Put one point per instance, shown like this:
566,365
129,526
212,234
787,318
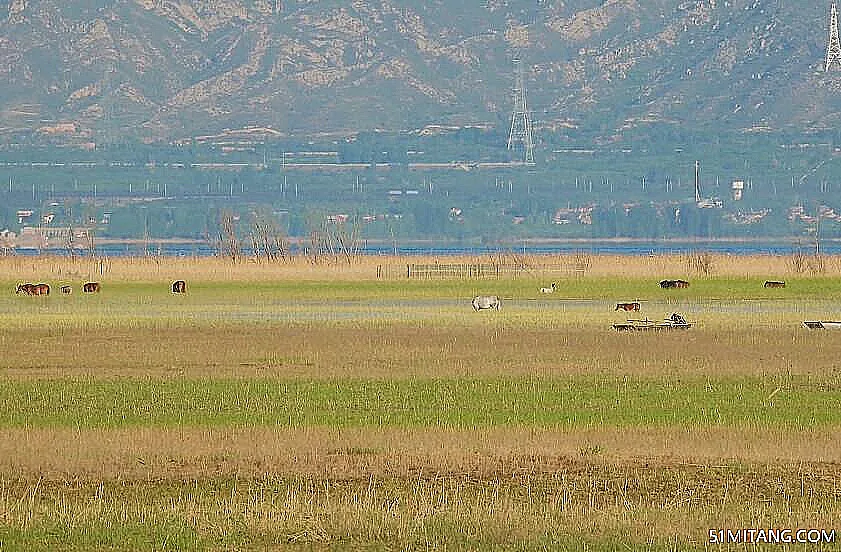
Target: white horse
549,289
486,302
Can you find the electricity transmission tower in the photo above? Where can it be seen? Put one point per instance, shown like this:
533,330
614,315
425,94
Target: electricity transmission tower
833,47
697,181
521,130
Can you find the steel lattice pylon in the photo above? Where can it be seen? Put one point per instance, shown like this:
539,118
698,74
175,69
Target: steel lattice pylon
521,130
833,47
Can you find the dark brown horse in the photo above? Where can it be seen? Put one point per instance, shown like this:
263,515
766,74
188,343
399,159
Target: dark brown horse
91,287
67,290
33,289
25,288
40,289
774,284
179,286
669,284
634,306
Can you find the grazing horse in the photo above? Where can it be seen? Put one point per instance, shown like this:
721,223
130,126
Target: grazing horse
25,288
179,286
634,306
668,284
91,287
549,289
67,290
774,284
40,289
481,302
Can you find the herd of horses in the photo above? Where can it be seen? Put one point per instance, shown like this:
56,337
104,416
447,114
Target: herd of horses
482,302
178,286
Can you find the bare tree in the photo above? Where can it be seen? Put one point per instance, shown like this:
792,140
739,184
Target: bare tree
70,235
267,236
91,241
800,263
69,244
347,239
335,240
229,245
319,246
213,243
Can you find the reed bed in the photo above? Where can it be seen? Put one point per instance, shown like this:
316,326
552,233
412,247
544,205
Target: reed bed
179,453
360,268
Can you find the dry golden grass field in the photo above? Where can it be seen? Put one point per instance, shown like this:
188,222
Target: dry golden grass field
328,405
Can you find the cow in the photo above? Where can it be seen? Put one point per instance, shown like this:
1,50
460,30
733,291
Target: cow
669,284
25,288
634,306
774,284
67,290
91,287
179,286
481,302
549,289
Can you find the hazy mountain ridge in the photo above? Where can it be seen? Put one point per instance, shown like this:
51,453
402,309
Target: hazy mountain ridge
154,70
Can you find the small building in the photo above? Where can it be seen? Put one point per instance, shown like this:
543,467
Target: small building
738,188
24,215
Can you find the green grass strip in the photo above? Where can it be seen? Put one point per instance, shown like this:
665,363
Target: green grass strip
458,403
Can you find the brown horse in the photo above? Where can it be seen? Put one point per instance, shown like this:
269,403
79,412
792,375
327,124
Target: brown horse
635,306
25,288
40,289
774,284
179,286
67,290
91,287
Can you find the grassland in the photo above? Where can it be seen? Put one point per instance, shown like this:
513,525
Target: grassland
307,405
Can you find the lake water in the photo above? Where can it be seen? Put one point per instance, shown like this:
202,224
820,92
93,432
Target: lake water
630,248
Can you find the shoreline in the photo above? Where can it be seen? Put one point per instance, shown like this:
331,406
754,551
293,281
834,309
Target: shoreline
454,244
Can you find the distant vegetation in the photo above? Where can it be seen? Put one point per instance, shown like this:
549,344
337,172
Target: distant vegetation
459,186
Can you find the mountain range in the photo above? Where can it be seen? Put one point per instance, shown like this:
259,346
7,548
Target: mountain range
91,72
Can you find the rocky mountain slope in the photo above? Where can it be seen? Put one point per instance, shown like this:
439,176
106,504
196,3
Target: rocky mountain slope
102,71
